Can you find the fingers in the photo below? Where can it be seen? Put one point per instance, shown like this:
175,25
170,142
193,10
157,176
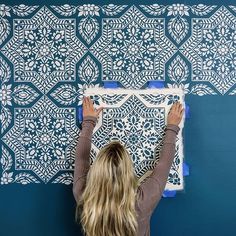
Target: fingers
174,107
99,110
87,102
88,107
177,108
90,103
179,105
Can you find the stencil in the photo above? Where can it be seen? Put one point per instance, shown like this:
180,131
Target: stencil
137,118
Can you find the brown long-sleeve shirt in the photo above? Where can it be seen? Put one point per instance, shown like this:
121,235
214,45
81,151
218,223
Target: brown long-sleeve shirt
150,190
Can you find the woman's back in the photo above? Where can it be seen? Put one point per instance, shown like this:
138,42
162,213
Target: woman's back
148,193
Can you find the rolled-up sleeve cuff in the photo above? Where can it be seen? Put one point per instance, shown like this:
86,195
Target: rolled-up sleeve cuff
88,124
171,132
90,119
174,128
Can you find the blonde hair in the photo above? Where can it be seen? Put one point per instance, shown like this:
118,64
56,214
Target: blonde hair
107,205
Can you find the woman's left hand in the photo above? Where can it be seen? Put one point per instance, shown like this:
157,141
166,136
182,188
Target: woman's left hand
88,108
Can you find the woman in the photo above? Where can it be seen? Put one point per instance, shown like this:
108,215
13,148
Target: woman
110,201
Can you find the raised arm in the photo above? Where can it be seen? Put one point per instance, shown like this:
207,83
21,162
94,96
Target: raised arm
161,172
83,147
151,189
82,162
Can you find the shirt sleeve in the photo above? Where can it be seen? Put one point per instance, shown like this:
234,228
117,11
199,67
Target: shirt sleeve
82,158
151,189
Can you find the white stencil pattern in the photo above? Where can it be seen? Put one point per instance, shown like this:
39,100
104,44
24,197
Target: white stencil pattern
49,56
44,49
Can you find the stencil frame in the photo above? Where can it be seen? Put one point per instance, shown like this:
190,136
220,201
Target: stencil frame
126,108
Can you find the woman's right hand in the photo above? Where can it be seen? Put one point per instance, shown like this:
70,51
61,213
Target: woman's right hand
175,114
88,108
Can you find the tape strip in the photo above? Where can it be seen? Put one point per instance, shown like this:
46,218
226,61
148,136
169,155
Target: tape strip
187,111
155,84
110,84
185,169
169,193
80,113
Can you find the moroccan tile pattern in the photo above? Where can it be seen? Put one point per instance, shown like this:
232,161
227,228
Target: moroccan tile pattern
50,54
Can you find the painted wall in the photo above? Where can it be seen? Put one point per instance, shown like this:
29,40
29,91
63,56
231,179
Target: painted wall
207,206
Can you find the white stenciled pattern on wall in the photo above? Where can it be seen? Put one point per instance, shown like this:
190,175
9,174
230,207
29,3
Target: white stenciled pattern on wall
49,55
133,49
44,49
211,49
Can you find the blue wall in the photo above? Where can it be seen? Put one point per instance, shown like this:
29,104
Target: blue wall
206,206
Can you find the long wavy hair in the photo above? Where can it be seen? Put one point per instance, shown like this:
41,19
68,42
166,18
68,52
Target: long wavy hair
107,205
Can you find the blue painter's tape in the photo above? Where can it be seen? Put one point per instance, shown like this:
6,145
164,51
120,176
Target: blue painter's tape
110,84
185,169
169,193
156,84
80,113
187,111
